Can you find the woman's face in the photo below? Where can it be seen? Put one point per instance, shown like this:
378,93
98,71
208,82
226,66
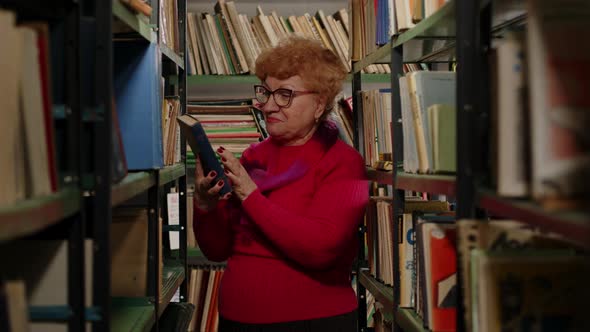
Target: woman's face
296,123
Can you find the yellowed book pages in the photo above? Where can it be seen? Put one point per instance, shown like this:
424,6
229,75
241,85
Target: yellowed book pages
280,24
16,300
276,26
357,32
260,33
306,30
216,41
323,36
258,46
192,42
309,23
32,110
423,165
207,303
12,188
267,27
204,48
417,10
214,61
339,49
246,45
295,25
233,35
285,25
341,38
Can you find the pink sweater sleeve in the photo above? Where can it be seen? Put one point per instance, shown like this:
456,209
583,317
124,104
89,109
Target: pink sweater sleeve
315,238
213,230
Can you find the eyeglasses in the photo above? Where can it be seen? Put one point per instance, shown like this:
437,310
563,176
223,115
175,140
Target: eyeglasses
283,97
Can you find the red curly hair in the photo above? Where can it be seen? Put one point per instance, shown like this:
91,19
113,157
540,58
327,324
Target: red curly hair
319,68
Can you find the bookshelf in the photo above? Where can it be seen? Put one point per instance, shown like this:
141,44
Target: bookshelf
573,224
135,22
460,32
84,114
135,315
31,216
436,184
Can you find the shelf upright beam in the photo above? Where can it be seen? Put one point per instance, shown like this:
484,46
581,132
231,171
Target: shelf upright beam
76,223
357,104
468,94
397,71
467,103
182,185
154,247
101,150
361,292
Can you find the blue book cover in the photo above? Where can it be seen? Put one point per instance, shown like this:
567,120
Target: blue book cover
137,75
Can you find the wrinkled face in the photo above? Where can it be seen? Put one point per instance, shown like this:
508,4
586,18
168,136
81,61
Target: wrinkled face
294,123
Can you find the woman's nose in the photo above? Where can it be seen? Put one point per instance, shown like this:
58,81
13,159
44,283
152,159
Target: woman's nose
271,105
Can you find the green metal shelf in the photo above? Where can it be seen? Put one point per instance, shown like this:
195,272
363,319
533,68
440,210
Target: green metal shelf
132,185
435,184
33,215
195,257
172,277
132,314
196,80
382,293
439,26
379,176
136,22
172,56
574,225
171,173
433,39
408,320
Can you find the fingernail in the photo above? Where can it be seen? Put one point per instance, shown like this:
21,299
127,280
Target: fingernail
220,183
212,174
225,171
223,159
220,149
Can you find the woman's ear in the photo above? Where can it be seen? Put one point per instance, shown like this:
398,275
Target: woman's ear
320,108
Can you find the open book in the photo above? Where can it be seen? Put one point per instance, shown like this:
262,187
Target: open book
193,131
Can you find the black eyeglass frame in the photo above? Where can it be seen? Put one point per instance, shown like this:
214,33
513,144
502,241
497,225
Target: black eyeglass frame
292,94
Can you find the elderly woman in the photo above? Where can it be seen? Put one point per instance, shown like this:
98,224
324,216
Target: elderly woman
288,230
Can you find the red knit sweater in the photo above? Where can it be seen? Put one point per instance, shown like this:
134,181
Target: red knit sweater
290,245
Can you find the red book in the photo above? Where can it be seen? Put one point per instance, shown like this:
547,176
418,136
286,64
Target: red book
443,277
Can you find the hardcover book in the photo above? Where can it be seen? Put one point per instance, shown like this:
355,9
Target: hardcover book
195,135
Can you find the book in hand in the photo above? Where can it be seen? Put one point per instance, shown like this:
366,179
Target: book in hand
193,131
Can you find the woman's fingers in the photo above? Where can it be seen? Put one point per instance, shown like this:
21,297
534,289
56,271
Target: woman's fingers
198,167
214,190
229,161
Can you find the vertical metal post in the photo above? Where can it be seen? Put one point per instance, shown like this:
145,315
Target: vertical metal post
467,101
182,181
482,141
76,229
361,292
468,70
102,146
357,102
154,245
397,71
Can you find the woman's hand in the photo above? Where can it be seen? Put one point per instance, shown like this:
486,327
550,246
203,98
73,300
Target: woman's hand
242,183
206,196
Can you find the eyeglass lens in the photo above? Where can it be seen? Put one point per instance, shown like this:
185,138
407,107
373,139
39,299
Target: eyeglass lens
282,96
